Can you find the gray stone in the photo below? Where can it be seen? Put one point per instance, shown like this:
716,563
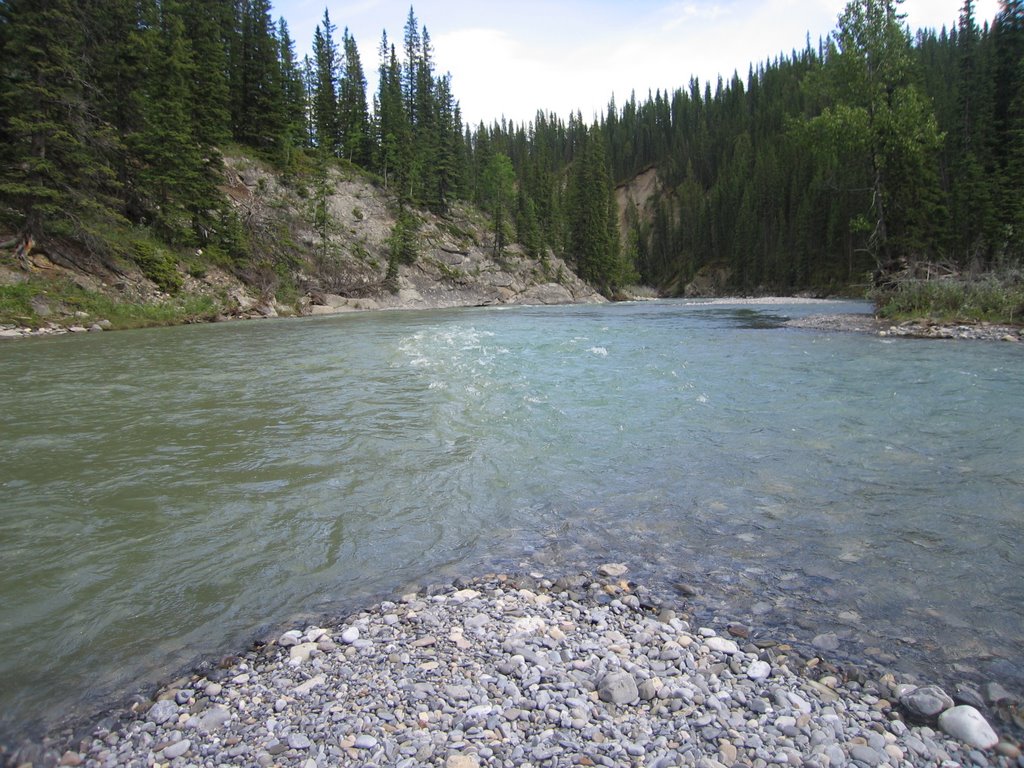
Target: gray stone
925,704
613,570
969,726
996,694
649,688
289,638
299,741
162,711
365,741
865,754
177,749
618,688
828,641
214,718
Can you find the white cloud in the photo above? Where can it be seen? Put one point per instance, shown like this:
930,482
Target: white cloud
514,59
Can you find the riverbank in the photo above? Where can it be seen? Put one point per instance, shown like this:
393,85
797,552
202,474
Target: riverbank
513,671
920,329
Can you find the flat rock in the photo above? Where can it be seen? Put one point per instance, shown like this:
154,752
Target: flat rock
613,570
722,645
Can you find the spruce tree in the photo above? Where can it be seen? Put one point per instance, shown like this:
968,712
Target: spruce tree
54,174
354,118
324,88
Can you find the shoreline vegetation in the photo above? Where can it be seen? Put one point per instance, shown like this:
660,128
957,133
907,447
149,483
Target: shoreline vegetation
579,670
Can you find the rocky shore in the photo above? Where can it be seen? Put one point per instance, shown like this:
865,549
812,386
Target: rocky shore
920,329
527,671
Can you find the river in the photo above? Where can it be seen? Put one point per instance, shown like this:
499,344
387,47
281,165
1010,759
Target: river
171,494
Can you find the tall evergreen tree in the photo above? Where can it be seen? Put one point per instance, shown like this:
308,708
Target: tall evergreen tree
354,118
259,118
54,173
324,88
882,120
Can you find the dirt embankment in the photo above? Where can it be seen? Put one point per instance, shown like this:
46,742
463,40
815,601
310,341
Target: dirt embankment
300,265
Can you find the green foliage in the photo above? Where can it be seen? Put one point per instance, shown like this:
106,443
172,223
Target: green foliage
499,190
402,243
993,298
158,264
67,299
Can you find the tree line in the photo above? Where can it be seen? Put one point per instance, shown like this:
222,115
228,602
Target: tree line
864,152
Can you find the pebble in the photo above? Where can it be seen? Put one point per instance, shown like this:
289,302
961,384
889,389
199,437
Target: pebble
759,670
509,671
177,749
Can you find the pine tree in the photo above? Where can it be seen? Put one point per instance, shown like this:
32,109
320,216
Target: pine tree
881,120
295,100
324,88
53,173
498,193
259,115
205,21
391,123
354,119
171,192
593,244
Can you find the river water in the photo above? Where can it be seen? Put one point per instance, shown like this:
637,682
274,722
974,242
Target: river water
171,494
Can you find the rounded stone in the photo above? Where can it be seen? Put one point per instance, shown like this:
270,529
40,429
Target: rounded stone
759,670
926,704
177,749
350,635
299,741
969,726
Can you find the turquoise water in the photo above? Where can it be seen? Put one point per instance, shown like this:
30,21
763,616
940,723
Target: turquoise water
173,493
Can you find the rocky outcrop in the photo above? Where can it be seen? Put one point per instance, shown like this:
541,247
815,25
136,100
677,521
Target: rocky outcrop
345,263
294,267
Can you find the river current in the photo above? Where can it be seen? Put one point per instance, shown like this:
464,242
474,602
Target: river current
168,495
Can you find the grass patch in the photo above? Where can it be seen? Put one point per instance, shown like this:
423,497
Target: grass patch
991,298
65,301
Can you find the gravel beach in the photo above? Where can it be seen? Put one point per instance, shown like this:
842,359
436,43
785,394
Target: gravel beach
528,671
918,329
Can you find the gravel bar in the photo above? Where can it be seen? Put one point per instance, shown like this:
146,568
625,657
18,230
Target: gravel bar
583,670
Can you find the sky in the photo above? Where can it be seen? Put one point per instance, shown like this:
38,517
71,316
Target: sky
511,59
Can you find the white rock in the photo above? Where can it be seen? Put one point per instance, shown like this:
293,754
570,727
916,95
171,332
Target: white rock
722,645
968,725
464,595
613,570
759,670
289,638
300,653
350,635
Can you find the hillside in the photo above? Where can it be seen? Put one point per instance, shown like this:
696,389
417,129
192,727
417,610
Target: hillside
299,264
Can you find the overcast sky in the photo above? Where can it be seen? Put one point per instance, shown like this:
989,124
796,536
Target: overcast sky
512,58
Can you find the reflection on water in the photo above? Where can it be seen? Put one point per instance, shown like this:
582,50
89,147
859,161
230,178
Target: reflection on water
165,494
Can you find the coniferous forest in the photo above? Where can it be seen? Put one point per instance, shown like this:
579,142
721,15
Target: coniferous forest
866,152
